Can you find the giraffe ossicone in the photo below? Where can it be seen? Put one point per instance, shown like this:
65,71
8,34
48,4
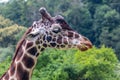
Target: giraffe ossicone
47,32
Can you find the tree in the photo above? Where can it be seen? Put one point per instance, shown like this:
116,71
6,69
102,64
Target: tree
5,22
111,38
81,22
73,64
10,33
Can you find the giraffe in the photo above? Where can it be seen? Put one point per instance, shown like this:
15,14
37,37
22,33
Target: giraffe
47,32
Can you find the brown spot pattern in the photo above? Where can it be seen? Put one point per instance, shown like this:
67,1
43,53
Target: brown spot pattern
70,34
45,45
19,54
37,42
29,44
32,51
53,44
62,46
28,61
65,41
37,54
22,74
76,36
59,40
6,77
42,49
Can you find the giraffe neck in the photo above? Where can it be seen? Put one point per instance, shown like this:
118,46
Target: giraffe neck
23,62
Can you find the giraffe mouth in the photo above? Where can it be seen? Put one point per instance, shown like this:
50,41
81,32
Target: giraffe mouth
84,46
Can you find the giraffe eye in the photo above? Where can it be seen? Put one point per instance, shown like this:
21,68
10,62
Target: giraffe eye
56,30
31,36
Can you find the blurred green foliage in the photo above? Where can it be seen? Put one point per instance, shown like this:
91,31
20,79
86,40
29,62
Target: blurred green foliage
4,65
94,64
5,52
5,22
54,64
10,34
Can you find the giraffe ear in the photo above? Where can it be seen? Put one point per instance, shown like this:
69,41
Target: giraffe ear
45,14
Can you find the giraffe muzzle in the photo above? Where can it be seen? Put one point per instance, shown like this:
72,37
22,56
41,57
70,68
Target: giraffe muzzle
84,46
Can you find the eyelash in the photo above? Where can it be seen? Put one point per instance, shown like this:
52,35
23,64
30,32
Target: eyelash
56,30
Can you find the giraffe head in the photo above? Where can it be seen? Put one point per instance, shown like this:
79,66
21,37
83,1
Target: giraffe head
55,32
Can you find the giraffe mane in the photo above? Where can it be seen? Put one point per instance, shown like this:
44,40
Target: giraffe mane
20,43
63,24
